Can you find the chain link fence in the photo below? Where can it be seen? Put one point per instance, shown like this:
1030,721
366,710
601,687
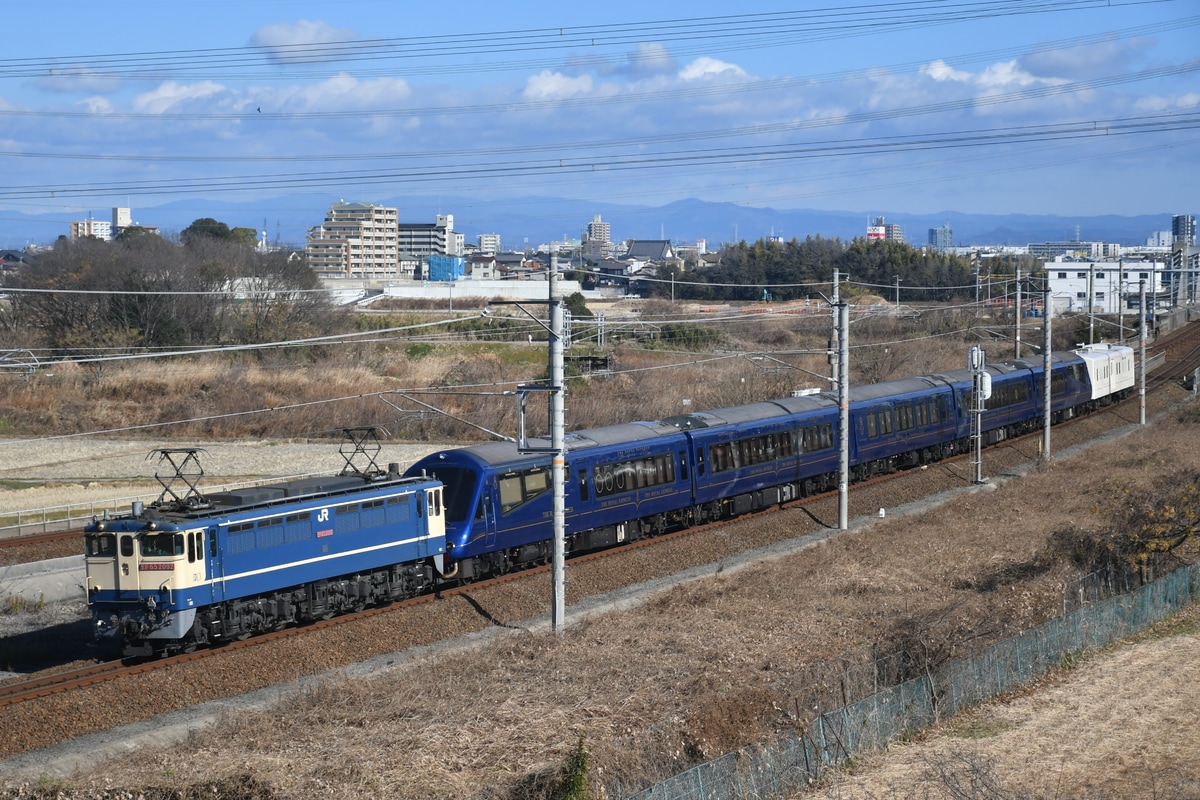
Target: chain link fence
785,767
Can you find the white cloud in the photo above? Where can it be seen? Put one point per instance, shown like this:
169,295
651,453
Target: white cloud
1096,58
1156,102
76,81
171,94
548,85
340,92
651,57
97,105
1007,74
941,71
705,67
286,42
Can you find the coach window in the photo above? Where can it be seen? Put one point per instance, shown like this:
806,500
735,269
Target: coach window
872,429
922,413
904,417
521,487
885,422
583,486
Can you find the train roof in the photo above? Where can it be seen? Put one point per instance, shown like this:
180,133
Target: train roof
616,434
1035,361
875,391
624,433
1102,350
750,412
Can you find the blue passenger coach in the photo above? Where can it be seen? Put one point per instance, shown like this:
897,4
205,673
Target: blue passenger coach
761,454
642,478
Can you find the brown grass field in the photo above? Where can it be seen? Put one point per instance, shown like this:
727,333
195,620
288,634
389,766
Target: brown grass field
703,668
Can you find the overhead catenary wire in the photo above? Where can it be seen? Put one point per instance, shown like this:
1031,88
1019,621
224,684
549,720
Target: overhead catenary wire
731,31
742,155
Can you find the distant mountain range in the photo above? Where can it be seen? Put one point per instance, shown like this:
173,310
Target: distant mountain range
531,221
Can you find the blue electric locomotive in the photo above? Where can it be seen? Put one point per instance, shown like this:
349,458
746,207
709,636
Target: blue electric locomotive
195,569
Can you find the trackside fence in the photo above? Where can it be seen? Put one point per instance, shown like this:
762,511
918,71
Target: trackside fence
69,516
784,767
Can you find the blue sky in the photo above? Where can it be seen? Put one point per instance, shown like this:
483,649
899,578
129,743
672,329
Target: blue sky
1079,107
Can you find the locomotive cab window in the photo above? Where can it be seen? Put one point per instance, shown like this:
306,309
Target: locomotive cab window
101,545
158,545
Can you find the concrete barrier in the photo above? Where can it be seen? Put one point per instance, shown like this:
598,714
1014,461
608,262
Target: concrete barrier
57,580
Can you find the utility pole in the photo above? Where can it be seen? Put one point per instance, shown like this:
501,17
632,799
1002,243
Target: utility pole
1046,366
1142,354
1091,303
897,295
982,383
834,347
557,444
1121,298
1017,354
557,450
843,312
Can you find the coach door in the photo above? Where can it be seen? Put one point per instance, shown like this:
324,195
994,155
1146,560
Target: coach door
215,573
487,513
128,581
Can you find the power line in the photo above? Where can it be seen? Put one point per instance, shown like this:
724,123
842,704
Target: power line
467,50
708,157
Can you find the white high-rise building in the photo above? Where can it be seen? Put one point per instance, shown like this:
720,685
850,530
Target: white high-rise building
431,238
100,229
489,243
597,239
357,240
122,218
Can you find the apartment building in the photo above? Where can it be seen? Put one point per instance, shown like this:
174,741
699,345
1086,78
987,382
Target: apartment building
356,240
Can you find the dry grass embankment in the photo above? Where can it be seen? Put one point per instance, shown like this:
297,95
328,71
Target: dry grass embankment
313,393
